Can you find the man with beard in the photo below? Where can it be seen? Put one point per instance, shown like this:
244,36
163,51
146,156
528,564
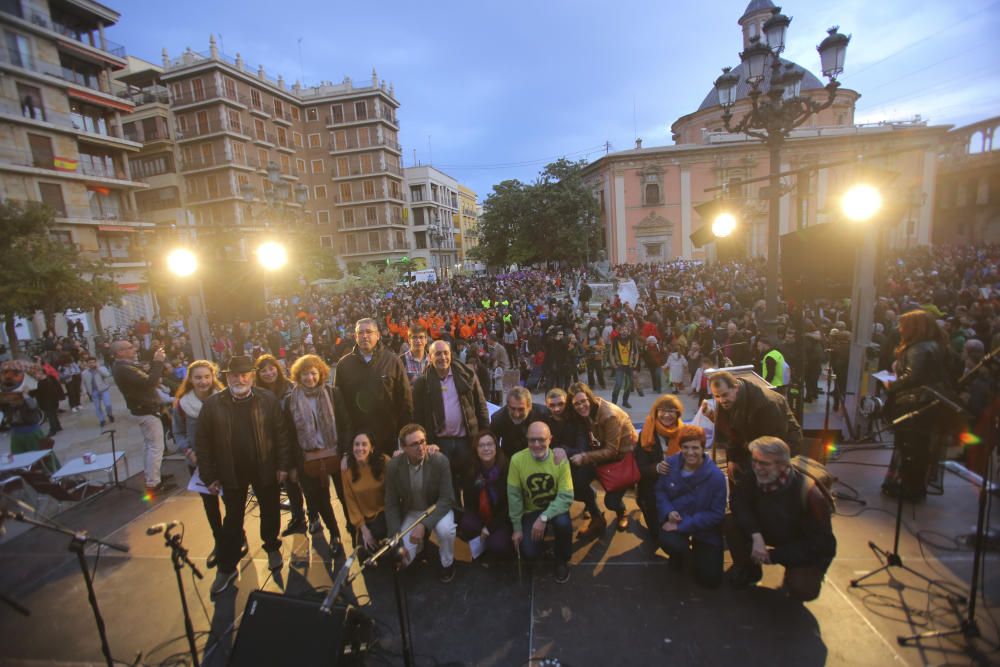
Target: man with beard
375,387
782,518
242,440
510,423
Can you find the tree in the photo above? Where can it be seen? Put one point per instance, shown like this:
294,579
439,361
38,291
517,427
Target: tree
555,219
39,272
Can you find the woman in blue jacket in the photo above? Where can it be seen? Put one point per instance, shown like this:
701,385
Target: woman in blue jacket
691,504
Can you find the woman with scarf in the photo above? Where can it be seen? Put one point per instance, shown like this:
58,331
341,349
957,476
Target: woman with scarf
658,439
320,431
363,480
200,382
485,497
271,376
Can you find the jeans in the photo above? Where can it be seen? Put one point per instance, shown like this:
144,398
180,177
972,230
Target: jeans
623,383
235,500
457,450
153,443
317,492
594,370
102,404
707,557
582,490
562,527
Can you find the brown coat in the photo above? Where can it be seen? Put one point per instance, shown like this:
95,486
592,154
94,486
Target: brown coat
612,434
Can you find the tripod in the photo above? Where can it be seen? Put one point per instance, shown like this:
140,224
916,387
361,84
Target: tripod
78,543
179,557
892,558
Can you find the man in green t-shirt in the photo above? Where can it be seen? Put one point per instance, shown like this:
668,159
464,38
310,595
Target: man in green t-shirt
539,493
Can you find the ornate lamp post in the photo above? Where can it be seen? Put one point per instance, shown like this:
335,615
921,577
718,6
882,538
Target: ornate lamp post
776,108
278,198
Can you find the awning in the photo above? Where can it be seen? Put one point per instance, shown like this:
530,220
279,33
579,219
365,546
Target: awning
121,105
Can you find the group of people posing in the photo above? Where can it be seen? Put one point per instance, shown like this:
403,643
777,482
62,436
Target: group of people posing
420,451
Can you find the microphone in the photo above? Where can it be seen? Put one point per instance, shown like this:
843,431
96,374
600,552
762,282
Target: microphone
338,583
160,527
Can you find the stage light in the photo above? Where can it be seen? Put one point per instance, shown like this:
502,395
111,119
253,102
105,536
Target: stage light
723,225
272,255
182,262
861,202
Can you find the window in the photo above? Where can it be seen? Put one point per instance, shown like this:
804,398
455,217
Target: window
319,192
230,87
400,240
88,118
312,114
18,50
315,140
207,155
366,164
352,243
197,89
41,151
255,99
295,113
201,120
394,190
282,137
31,101
300,164
152,166
115,246
239,153
369,189
278,109
361,110
322,217
652,194
337,113
374,241
297,139
326,242
348,217
316,166
342,169
286,164
262,158
104,203
234,121
61,236
258,128
371,214
51,195
345,192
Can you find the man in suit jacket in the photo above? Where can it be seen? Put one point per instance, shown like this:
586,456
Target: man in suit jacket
413,482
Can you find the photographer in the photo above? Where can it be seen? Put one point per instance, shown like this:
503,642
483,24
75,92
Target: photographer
139,389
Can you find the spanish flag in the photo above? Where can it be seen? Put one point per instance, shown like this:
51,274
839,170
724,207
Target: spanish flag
64,163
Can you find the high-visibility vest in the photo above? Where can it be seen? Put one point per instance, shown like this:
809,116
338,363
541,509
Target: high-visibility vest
779,368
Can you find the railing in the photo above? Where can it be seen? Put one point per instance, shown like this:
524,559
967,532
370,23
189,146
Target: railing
153,94
29,11
353,143
222,192
100,169
121,214
13,57
263,136
218,161
389,116
207,94
213,126
113,48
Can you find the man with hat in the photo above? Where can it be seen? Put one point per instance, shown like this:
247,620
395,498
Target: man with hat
242,440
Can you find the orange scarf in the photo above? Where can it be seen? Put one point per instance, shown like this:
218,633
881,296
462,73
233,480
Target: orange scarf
671,435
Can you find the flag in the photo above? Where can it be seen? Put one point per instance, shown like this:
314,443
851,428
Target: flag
64,163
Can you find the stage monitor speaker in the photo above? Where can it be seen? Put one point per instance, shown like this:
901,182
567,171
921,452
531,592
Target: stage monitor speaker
281,630
818,262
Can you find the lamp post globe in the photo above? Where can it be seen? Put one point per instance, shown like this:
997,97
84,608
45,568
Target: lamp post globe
723,225
272,255
861,202
182,262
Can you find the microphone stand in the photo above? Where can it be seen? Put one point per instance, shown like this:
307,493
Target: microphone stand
391,545
892,558
179,557
79,541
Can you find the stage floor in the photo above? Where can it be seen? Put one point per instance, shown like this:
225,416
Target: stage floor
621,606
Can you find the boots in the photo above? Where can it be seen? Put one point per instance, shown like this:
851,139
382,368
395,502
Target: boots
596,528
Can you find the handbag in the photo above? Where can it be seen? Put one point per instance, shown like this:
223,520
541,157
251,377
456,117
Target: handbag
619,475
321,462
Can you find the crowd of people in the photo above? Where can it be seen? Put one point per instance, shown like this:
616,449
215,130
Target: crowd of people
387,394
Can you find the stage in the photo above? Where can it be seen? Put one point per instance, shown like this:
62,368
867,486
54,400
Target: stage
621,605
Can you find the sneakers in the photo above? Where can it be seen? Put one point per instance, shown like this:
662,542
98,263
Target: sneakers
111,418
274,561
448,574
622,524
223,580
103,423
626,404
562,573
296,525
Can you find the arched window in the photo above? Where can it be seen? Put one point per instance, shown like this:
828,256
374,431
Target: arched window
651,194
976,143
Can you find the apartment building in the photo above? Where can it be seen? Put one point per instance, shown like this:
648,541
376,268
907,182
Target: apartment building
468,218
62,140
258,157
434,217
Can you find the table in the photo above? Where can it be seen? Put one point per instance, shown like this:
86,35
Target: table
101,462
24,460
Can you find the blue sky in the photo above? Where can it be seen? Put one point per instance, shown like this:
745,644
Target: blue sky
494,90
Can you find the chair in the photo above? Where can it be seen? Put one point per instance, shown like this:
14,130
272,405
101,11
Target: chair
17,484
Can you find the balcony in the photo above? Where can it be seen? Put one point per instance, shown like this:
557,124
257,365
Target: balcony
215,161
208,94
151,95
224,192
355,144
100,167
38,16
120,214
213,126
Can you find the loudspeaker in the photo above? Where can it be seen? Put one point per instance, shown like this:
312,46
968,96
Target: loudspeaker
818,262
281,630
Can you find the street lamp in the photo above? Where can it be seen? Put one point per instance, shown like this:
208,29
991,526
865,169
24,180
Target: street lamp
861,202
182,262
272,255
776,108
723,225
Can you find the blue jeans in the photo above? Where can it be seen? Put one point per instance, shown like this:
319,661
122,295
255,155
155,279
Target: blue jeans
707,557
562,527
102,404
623,383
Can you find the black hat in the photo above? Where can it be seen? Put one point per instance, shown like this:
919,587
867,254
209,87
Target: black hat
240,363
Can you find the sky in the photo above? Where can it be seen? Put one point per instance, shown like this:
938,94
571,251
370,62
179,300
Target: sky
492,90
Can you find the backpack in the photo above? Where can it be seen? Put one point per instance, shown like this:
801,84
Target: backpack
818,475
